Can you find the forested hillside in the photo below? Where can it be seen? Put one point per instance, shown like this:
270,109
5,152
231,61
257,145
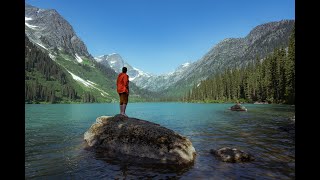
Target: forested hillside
271,79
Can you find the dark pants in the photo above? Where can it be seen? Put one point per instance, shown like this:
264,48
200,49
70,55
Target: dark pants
123,98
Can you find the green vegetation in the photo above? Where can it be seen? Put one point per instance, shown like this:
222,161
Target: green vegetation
96,81
45,81
48,81
272,80
51,81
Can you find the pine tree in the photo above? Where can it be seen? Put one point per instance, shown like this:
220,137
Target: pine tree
290,69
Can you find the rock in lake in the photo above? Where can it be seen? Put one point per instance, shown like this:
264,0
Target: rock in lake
228,154
238,107
139,138
293,118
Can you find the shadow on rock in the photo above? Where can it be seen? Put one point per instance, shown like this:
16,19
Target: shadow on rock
126,161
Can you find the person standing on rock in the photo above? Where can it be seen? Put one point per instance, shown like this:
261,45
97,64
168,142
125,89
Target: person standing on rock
123,90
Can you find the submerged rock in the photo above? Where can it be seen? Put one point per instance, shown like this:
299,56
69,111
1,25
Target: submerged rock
233,155
290,128
293,118
139,138
238,107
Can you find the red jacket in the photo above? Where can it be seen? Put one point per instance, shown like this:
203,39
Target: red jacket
123,83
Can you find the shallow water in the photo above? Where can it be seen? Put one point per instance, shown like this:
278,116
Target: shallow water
54,145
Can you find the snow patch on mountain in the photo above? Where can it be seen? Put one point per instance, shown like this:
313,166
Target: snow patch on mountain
78,58
92,82
53,57
131,79
186,64
98,59
29,25
87,83
141,72
42,46
77,78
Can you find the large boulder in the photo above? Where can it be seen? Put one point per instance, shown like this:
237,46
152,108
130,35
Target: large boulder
232,155
139,138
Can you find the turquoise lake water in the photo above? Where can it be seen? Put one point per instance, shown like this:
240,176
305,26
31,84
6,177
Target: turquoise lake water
54,145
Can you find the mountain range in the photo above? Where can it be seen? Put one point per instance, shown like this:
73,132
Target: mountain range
92,79
231,52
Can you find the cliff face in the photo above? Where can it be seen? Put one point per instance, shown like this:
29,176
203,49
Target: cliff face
140,138
49,29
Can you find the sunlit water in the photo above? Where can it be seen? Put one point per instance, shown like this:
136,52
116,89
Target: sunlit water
54,145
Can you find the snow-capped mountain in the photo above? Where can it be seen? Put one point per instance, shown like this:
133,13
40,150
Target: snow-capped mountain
162,82
116,62
113,60
142,79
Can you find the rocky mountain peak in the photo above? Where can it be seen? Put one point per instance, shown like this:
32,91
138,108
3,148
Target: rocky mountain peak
113,60
277,28
47,28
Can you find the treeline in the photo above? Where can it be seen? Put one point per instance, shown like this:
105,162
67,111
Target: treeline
88,98
35,92
271,79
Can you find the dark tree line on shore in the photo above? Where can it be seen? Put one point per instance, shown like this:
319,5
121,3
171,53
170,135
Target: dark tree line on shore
271,80
36,92
88,98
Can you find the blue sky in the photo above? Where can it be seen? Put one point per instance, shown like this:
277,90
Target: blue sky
157,36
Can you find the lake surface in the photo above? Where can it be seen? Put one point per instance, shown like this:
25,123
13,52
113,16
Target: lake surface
54,145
